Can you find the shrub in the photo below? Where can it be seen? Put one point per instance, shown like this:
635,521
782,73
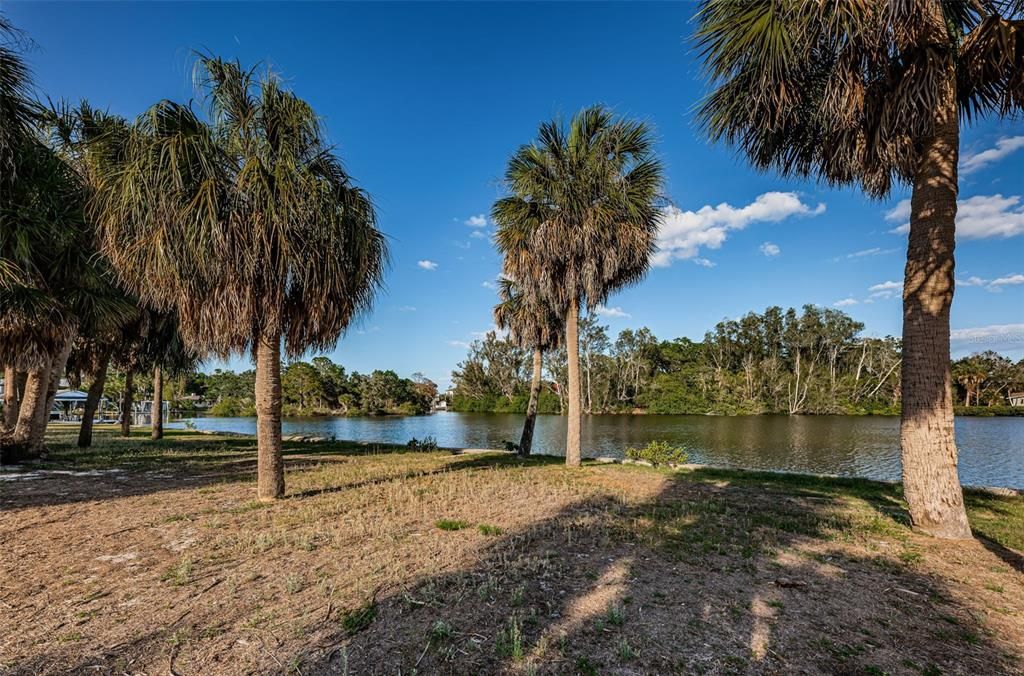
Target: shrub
659,453
428,444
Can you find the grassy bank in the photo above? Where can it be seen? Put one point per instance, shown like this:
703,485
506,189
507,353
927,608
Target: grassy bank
154,557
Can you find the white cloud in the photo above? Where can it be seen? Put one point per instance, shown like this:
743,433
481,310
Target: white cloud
995,333
885,289
479,221
846,302
704,262
490,284
611,312
874,251
459,343
684,233
900,212
427,265
977,217
1007,280
972,281
478,234
972,162
990,216
769,249
407,308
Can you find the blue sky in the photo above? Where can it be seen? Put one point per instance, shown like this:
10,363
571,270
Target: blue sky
426,102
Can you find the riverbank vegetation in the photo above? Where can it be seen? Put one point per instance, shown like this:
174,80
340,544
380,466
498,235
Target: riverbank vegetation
163,562
314,388
812,361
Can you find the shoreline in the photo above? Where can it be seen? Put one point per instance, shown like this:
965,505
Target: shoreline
610,460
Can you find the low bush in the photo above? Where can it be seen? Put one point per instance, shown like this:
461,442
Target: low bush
659,453
427,444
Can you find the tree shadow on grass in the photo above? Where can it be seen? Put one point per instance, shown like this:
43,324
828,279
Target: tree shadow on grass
710,576
715,572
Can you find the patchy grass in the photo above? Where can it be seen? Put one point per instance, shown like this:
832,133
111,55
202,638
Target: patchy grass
151,556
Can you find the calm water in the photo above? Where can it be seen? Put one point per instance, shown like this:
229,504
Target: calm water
991,449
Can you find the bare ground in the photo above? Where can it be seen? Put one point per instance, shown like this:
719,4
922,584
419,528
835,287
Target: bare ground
393,562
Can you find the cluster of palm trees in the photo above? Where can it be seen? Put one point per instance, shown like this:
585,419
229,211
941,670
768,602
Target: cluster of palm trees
579,223
849,92
179,235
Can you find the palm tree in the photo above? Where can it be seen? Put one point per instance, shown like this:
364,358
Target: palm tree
166,353
534,326
52,286
580,222
970,374
247,226
873,93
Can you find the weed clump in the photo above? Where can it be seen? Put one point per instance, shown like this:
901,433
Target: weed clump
451,524
659,453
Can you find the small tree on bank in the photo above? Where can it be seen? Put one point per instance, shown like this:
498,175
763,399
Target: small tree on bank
580,222
873,93
534,326
247,226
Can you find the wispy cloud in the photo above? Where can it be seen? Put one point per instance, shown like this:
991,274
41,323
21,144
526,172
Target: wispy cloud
490,284
770,250
1007,280
459,343
846,302
478,234
407,308
427,265
684,233
603,311
886,289
978,217
972,281
1007,145
479,221
704,262
993,333
873,251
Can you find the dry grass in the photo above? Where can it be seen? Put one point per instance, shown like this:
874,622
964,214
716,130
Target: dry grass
394,562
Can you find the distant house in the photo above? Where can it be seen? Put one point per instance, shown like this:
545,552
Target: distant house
1016,398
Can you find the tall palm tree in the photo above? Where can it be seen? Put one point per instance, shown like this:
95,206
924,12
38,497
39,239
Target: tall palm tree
580,222
52,286
248,226
873,93
534,326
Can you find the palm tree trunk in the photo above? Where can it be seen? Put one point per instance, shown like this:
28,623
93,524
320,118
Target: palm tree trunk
526,440
10,399
92,400
270,462
572,343
127,401
16,446
57,368
930,482
156,411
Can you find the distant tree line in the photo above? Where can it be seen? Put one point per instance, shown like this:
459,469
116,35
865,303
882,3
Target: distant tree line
318,387
815,361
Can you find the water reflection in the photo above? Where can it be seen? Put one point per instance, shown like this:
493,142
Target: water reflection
991,449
